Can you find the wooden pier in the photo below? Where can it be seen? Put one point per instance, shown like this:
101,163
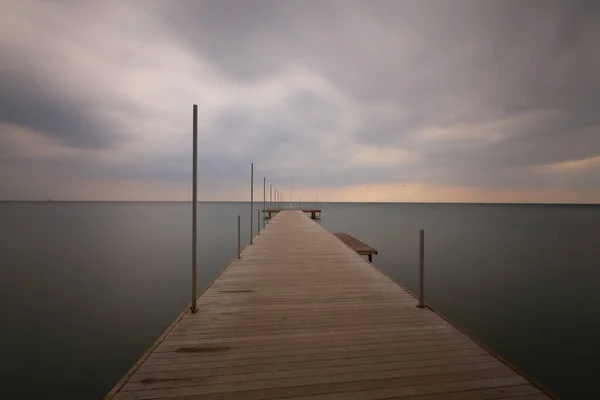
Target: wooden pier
303,316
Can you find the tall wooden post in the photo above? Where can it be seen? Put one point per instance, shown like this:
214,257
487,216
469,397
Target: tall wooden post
239,234
194,206
251,199
422,268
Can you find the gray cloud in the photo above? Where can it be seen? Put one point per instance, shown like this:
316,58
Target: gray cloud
499,59
244,38
448,93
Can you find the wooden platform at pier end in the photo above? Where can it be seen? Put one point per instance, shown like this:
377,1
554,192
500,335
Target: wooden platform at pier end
315,213
302,316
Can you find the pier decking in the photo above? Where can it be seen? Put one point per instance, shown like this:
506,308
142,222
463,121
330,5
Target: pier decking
300,316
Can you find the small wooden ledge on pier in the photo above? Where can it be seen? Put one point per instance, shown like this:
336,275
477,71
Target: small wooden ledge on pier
356,245
302,316
315,213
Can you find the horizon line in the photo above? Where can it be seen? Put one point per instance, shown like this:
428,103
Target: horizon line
307,202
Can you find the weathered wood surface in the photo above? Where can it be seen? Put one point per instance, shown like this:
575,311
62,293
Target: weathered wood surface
302,316
355,244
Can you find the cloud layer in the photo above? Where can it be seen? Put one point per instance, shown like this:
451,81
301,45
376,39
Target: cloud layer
416,100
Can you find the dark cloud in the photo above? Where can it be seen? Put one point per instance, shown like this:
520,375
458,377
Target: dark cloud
31,98
27,103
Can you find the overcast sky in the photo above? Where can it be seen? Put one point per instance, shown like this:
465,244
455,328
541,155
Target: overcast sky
484,101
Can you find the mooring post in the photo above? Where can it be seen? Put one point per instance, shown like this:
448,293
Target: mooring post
264,200
257,222
370,257
251,199
194,205
239,224
422,268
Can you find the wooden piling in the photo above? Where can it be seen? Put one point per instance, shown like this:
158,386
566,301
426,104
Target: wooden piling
421,269
238,236
193,307
251,199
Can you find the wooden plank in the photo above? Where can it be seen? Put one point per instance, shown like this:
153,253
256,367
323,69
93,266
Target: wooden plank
190,340
302,315
496,386
309,368
226,352
285,363
260,381
270,358
494,389
249,374
307,386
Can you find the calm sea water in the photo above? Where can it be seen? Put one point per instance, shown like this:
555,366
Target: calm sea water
86,288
